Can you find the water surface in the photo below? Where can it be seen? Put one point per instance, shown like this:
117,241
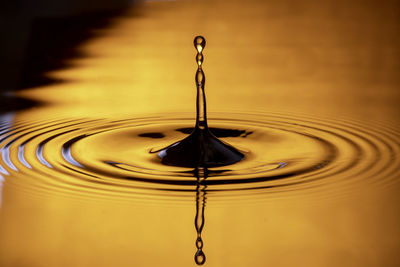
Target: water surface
308,91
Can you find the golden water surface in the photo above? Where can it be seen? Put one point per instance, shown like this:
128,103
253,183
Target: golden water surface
322,60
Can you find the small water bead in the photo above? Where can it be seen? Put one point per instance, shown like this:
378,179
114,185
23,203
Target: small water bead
199,43
200,257
199,59
199,243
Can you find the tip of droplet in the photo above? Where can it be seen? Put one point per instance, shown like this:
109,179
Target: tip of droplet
200,257
199,43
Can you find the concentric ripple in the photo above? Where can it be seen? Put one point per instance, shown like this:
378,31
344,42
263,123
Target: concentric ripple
285,154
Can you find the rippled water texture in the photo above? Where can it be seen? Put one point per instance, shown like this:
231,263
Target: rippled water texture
284,153
308,92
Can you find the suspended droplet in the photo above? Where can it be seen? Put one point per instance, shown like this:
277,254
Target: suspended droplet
199,43
199,59
199,243
200,257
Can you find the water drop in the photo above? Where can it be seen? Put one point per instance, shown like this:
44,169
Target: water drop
199,257
199,243
201,148
199,43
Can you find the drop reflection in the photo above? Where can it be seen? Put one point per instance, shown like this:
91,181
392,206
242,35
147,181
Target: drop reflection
201,175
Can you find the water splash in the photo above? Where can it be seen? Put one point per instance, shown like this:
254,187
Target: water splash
201,148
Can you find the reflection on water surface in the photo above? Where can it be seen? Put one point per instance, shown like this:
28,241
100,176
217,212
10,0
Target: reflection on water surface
308,91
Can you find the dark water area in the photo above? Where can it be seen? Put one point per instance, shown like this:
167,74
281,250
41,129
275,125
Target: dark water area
10,103
43,37
307,92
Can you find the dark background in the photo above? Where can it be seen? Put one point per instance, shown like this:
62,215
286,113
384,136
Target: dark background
39,35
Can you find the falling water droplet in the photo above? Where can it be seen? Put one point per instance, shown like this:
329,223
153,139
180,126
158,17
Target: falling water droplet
199,243
200,257
201,148
199,43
